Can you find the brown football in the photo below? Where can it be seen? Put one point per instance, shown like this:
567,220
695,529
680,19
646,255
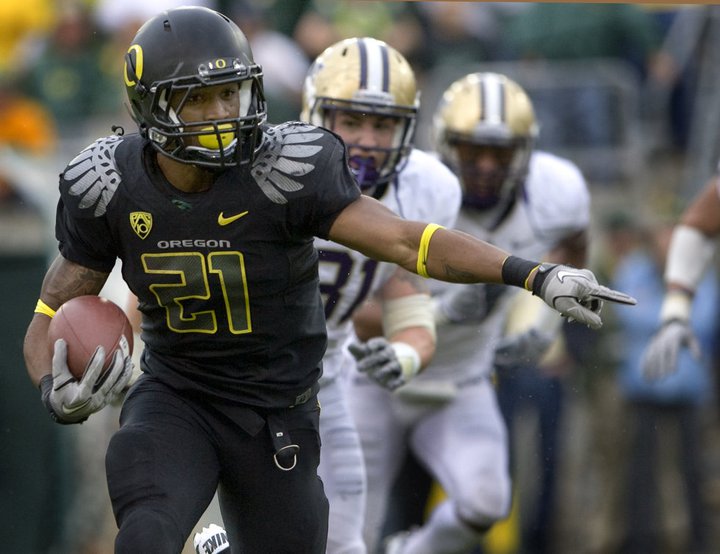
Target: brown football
86,322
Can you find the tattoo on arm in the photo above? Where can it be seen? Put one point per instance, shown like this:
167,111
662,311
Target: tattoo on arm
65,280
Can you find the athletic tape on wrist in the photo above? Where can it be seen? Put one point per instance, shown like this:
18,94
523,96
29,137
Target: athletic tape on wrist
424,246
409,359
688,257
677,304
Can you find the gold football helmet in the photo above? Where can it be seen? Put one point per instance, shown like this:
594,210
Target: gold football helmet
366,76
481,117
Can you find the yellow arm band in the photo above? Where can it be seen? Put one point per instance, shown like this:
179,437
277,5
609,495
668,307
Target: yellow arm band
424,246
42,308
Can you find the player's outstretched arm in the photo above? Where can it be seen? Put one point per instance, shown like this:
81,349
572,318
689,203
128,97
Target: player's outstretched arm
691,249
449,255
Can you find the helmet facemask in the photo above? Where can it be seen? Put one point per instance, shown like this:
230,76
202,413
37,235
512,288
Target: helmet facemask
365,76
174,55
362,157
493,182
223,142
484,129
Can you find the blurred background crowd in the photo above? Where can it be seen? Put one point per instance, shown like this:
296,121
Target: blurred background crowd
603,463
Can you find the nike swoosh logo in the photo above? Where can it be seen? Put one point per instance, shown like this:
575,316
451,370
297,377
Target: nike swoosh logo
222,220
71,410
562,274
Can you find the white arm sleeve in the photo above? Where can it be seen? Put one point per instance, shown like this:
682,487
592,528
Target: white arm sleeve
688,257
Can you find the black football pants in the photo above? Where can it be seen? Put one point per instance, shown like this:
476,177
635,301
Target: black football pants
171,454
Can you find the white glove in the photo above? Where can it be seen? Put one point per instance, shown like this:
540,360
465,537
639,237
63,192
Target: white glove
660,358
575,293
390,365
71,401
522,349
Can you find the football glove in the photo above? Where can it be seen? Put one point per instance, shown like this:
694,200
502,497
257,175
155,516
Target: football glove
661,354
69,400
575,293
522,349
390,365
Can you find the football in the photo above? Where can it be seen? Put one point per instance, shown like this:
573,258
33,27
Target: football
86,322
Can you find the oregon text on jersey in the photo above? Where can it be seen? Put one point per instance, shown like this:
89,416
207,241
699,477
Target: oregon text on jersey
196,243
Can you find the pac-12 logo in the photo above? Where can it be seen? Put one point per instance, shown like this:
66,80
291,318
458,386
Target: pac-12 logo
141,223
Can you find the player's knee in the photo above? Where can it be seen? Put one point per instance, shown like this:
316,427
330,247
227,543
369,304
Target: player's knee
147,530
486,504
344,462
130,467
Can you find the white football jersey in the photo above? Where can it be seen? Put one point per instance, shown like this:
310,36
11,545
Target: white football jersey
555,205
426,190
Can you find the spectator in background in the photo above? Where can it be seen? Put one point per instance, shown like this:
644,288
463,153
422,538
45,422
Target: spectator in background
462,33
582,32
21,25
68,76
668,410
284,63
27,131
324,23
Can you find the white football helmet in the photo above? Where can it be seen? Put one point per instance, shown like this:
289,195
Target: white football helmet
367,76
211,540
486,114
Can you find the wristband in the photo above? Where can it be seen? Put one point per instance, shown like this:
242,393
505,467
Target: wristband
408,358
516,271
45,385
42,308
676,305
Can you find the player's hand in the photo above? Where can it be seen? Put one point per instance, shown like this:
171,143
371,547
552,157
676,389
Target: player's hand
661,354
388,364
70,400
575,293
522,349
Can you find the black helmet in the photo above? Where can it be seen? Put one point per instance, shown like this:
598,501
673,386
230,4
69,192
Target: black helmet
182,49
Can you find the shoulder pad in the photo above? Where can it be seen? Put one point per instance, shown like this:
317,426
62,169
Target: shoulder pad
288,152
90,180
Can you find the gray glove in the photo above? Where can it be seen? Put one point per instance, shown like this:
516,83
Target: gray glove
71,401
388,364
522,349
660,357
575,293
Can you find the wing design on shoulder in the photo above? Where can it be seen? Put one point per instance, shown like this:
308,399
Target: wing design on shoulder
285,155
93,175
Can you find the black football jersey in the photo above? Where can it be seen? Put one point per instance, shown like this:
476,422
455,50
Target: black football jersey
227,279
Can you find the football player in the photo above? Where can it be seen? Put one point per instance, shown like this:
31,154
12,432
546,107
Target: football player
516,197
213,214
365,91
692,247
